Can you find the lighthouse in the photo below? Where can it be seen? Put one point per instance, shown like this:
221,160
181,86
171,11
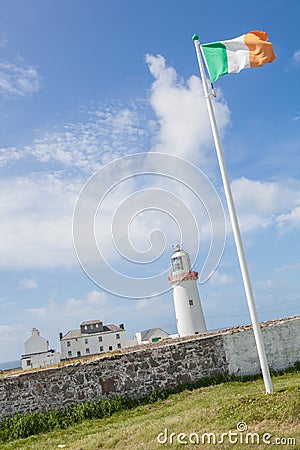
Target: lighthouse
188,309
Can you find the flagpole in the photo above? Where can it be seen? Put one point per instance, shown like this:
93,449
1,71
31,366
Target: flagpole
235,228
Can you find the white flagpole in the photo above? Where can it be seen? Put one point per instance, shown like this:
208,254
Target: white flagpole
235,228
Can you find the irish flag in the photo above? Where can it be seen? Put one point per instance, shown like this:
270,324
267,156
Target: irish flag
249,50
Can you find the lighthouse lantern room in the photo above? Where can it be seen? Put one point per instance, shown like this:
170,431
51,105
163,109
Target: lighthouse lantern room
188,309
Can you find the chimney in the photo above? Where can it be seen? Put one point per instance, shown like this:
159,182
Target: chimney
122,326
60,336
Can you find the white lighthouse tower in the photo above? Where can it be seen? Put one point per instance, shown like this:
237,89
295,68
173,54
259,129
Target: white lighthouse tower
188,309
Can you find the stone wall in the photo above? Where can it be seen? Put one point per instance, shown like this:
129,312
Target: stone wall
164,364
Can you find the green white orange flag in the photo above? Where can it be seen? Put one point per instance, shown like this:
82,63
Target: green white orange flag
249,50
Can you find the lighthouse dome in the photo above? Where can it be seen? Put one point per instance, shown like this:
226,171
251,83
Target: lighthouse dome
180,261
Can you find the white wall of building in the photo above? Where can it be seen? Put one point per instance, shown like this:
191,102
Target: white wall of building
155,335
37,360
91,344
138,338
37,353
36,343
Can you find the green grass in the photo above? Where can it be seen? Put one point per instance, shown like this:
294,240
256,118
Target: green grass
215,409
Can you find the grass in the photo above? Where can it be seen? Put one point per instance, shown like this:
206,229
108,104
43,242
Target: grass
212,409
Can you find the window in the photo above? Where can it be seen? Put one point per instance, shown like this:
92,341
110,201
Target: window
97,325
28,362
69,354
100,338
78,353
119,345
191,302
117,336
85,327
86,341
92,326
87,351
177,264
101,348
68,344
110,347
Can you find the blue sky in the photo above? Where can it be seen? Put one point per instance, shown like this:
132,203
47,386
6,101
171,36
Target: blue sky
85,83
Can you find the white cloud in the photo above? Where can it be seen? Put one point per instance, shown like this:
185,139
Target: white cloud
40,313
261,203
288,267
87,145
12,338
296,57
37,209
28,283
63,315
116,131
266,284
10,154
143,304
180,107
93,299
36,221
18,80
289,220
4,303
221,279
72,306
3,40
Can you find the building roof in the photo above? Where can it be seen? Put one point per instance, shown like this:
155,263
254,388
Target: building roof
29,355
112,327
90,322
146,334
72,334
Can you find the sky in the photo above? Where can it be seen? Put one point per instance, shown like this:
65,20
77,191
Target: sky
93,92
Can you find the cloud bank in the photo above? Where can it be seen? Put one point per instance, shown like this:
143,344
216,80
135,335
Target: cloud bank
18,79
37,208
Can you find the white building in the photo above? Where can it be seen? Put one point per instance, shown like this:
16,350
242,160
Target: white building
188,309
37,353
151,335
92,338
